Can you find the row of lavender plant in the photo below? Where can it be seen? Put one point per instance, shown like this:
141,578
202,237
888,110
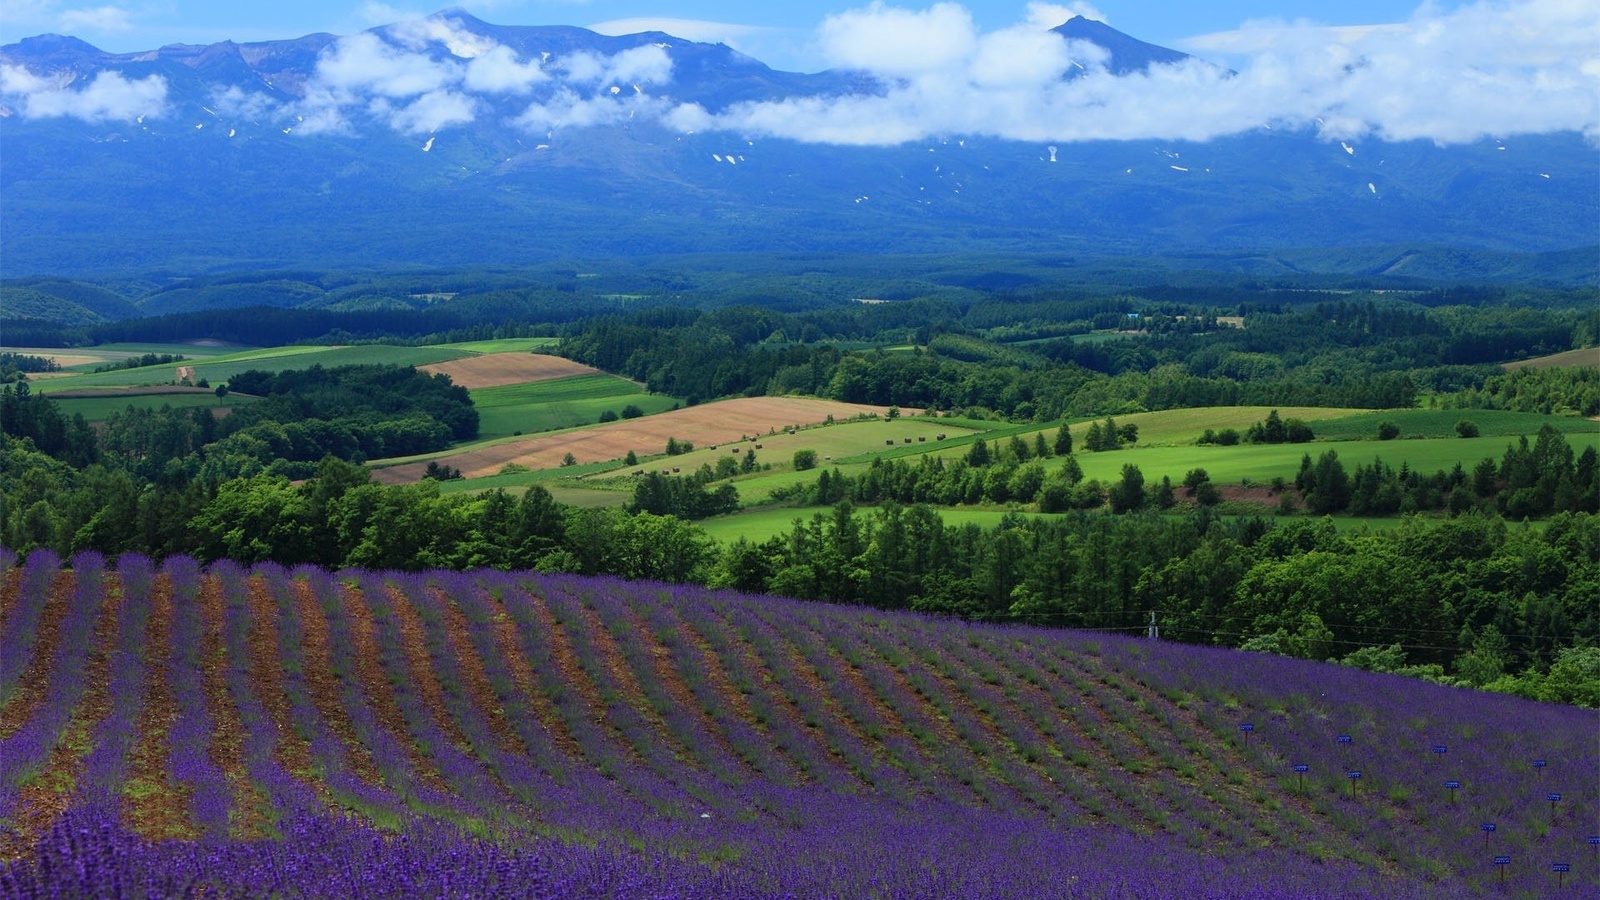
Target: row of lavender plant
694,790
882,652
837,731
105,767
326,748
775,728
287,795
1152,757
614,760
513,768
189,739
672,633
466,777
30,746
388,751
905,755
1489,745
575,798
21,634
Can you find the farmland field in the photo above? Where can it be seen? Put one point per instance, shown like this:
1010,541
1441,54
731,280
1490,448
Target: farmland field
722,421
226,731
499,369
219,369
564,402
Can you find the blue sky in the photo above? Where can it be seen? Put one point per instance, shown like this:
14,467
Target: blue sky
783,34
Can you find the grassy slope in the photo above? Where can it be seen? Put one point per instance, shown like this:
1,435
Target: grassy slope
219,369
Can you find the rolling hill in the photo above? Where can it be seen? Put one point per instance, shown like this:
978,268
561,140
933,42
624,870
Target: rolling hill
269,732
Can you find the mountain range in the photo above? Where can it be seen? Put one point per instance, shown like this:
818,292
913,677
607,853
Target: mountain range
449,141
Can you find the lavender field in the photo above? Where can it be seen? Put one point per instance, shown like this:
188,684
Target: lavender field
168,729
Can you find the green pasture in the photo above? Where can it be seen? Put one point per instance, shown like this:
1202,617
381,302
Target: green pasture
1442,423
1262,462
98,409
503,345
219,369
560,403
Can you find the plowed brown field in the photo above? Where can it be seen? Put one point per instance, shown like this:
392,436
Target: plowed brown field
496,369
708,423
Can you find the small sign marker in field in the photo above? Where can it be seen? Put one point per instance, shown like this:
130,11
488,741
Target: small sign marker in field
1300,770
1452,787
1501,862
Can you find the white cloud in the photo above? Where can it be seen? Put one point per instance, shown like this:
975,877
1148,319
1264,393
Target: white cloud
108,97
236,103
638,65
895,41
1492,68
430,112
498,71
364,62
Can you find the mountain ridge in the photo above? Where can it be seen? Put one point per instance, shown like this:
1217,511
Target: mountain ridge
482,150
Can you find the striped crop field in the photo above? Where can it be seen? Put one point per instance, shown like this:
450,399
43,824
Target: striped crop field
178,730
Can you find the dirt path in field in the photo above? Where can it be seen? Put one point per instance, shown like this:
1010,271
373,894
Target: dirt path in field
498,369
721,422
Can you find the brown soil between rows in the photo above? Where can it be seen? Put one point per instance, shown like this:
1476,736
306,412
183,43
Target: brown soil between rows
665,673
379,695
731,697
292,753
475,678
571,673
420,674
323,685
10,594
749,656
526,680
708,423
249,804
30,690
154,803
44,798
498,369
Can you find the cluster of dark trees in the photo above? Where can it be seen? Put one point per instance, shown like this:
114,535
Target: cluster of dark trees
1529,481
1329,354
1467,598
689,497
353,413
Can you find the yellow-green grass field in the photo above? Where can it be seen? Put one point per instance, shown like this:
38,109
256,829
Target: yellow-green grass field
503,345
559,403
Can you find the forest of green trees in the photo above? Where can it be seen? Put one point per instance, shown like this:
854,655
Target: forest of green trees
1462,591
